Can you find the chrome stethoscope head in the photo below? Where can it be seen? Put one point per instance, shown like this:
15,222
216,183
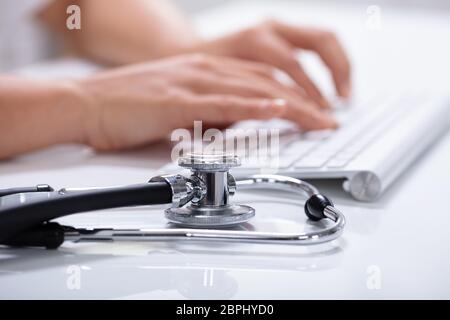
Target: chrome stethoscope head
208,189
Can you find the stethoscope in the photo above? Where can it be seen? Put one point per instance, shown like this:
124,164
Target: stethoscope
200,208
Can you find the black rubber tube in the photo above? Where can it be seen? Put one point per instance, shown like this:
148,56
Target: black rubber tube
16,219
48,235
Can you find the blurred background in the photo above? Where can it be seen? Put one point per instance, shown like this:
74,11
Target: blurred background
195,5
28,43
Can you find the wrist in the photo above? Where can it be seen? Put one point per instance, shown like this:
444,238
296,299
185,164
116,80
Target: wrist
38,114
90,97
70,112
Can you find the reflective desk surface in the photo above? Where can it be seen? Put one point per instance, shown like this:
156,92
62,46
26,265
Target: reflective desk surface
396,247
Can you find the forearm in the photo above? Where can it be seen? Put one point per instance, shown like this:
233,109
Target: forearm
36,114
123,31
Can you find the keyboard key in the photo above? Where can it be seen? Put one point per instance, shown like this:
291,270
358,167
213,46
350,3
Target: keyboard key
317,135
311,162
286,161
338,162
299,148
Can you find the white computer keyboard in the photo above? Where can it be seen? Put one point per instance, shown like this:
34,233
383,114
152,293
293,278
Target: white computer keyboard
378,138
360,124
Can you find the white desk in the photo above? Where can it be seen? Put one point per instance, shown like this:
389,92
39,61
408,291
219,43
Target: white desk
403,238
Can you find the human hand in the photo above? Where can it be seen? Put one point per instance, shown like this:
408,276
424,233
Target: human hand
275,43
135,105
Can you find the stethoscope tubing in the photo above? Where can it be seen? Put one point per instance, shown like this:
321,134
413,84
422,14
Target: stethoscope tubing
18,218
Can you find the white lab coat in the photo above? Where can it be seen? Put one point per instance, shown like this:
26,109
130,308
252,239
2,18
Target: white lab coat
23,40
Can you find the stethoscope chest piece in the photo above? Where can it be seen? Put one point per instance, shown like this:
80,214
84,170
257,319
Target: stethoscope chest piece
209,217
212,186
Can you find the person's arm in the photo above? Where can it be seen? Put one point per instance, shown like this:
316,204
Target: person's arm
122,31
127,31
139,104
35,114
